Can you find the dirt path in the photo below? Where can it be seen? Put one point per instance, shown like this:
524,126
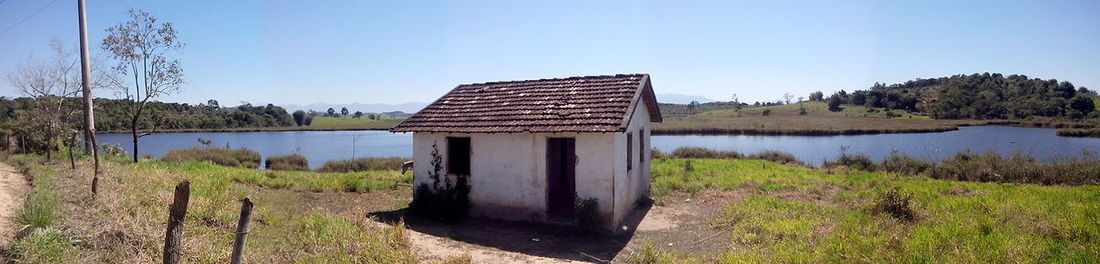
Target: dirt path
677,226
13,186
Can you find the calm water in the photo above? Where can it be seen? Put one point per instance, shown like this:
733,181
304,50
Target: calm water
323,146
1041,143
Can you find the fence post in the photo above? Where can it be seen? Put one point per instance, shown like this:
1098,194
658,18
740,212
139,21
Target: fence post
175,223
242,231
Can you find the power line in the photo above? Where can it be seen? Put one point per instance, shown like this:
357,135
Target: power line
25,18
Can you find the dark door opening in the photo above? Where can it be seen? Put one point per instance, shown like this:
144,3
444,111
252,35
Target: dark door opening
560,179
458,155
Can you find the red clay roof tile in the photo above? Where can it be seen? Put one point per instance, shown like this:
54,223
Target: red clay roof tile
575,104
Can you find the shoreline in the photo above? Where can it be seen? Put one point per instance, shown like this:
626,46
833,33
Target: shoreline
1063,128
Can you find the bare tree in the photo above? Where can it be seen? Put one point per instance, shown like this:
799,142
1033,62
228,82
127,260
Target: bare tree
787,98
50,83
142,47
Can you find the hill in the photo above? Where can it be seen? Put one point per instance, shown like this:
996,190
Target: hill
980,96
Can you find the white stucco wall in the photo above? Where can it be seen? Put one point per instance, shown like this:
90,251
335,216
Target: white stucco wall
508,171
631,185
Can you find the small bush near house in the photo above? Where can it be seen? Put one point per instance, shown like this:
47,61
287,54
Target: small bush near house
447,202
588,215
222,156
896,204
704,153
658,154
363,164
287,162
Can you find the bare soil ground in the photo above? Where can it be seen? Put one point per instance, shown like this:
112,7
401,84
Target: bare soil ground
13,187
680,225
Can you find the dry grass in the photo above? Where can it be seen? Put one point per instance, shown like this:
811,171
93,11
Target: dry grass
226,157
125,222
287,162
364,164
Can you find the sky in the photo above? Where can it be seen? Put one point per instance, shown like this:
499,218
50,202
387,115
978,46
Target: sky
302,52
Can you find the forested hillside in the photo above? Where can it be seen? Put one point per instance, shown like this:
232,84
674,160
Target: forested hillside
978,96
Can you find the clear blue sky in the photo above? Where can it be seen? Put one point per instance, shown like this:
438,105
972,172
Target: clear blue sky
299,52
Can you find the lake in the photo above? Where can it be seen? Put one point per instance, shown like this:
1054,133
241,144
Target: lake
323,146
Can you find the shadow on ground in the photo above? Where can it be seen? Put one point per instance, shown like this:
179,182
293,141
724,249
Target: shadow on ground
561,242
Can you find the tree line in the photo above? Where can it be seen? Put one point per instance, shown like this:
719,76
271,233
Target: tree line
977,96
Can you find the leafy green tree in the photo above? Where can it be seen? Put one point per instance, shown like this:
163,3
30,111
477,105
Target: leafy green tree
331,112
1082,104
358,114
299,117
309,121
344,111
834,103
817,96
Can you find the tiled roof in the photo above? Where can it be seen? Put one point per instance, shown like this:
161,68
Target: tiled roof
575,104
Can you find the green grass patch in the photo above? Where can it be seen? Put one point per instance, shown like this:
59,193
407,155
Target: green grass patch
338,123
795,214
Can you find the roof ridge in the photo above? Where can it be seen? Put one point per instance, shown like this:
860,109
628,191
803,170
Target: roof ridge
558,79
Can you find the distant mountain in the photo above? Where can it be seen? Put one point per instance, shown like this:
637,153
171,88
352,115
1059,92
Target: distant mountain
410,107
681,98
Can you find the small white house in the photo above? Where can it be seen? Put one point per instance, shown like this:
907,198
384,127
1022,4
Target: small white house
532,149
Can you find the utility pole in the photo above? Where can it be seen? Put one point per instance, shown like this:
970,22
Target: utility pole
86,79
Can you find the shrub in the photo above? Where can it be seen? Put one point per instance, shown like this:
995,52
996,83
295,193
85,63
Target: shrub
1019,167
704,153
363,164
776,156
857,161
896,204
588,215
447,202
287,162
221,156
113,149
658,154
901,164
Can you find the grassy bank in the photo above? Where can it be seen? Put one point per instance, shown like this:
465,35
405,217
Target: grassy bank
818,120
784,213
299,216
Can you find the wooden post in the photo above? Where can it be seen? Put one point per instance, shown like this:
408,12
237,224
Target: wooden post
175,223
242,231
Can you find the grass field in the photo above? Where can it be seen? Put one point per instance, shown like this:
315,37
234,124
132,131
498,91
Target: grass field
299,216
793,214
335,123
761,211
818,120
